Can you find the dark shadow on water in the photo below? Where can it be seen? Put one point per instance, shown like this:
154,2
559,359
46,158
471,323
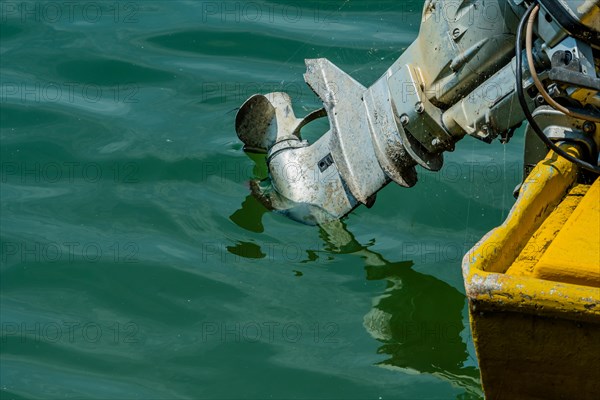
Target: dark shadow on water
246,250
418,318
249,216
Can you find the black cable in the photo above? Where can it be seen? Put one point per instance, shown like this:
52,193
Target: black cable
572,112
521,95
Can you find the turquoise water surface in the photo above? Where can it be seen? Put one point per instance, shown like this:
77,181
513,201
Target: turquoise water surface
135,264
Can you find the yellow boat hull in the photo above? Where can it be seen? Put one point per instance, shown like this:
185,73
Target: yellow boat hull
533,286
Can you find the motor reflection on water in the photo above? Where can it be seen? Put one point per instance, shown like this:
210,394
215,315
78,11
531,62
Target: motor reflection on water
419,326
418,319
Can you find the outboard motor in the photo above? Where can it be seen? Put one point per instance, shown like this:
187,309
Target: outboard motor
458,77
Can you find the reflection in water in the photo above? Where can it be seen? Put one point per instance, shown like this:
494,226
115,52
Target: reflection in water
246,250
418,319
249,217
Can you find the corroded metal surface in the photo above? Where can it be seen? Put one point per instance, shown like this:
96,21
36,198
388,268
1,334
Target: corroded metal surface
457,78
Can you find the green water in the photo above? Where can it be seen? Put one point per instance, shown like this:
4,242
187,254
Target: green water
136,265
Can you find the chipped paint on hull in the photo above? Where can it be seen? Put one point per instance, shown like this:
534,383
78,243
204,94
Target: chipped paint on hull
534,338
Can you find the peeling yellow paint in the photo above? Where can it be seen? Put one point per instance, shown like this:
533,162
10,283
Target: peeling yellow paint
546,329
